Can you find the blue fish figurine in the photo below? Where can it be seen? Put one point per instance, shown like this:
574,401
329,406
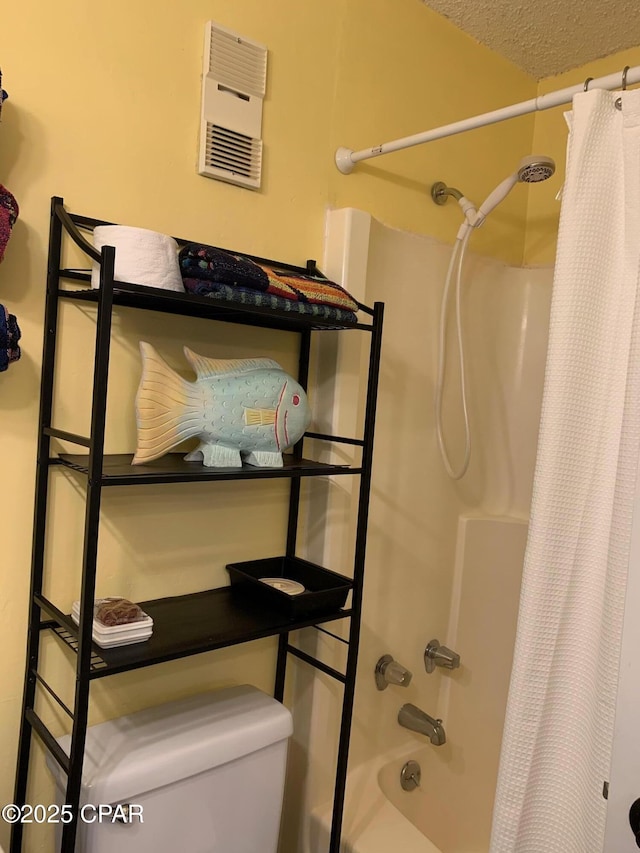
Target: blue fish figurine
242,408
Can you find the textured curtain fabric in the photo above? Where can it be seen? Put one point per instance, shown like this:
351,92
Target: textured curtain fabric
556,749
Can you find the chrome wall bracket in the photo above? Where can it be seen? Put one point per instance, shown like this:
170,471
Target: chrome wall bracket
440,192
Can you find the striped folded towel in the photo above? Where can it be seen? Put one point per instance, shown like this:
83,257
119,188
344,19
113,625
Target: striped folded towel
207,263
261,299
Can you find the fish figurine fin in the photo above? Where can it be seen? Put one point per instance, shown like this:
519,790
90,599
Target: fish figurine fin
259,417
206,367
215,456
264,459
168,408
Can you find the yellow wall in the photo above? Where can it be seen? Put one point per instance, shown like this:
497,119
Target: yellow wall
405,69
104,110
550,137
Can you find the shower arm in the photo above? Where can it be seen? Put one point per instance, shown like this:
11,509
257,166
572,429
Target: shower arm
346,158
440,192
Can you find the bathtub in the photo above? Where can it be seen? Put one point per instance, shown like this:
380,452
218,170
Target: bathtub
444,815
451,811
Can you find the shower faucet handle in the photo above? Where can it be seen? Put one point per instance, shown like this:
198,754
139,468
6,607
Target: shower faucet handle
437,655
389,671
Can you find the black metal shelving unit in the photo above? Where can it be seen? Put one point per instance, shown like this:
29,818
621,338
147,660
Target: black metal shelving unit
184,625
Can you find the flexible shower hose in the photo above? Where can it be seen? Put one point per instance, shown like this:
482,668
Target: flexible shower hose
456,262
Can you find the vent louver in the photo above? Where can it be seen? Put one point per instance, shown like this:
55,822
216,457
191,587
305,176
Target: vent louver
234,81
234,153
238,63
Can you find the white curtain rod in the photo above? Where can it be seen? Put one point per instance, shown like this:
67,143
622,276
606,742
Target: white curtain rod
346,158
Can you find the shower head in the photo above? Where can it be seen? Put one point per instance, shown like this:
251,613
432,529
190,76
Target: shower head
536,168
531,170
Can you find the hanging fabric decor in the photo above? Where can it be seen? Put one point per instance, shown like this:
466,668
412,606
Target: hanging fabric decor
9,329
3,95
9,337
8,214
558,735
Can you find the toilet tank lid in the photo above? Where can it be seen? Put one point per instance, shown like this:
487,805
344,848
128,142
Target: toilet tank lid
132,755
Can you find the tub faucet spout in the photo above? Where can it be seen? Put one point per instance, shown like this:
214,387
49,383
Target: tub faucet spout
416,720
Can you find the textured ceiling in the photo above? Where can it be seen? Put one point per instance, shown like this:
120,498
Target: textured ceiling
546,37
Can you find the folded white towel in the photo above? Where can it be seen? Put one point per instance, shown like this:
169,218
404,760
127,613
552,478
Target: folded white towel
142,256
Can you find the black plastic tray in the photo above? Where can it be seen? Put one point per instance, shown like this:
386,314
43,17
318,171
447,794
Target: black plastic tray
325,590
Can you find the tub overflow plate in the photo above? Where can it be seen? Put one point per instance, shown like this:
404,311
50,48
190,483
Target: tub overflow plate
410,776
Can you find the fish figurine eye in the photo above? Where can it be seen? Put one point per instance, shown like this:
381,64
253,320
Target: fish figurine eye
295,399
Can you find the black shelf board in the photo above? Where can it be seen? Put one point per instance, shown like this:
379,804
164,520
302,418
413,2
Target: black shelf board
173,302
117,469
186,625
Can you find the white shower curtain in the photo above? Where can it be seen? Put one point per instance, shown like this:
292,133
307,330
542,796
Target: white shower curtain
556,749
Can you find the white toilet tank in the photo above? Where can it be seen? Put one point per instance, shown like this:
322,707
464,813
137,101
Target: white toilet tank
207,774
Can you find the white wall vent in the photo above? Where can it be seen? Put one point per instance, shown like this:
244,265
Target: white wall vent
233,86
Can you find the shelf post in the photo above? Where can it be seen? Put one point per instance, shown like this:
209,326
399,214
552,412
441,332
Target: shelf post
281,667
90,550
358,578
40,514
294,511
